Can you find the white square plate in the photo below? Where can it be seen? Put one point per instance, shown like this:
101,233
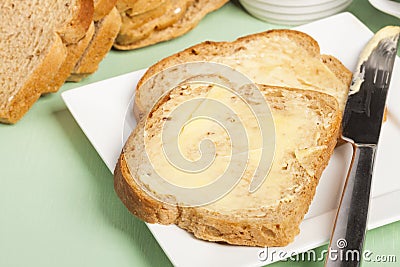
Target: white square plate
100,109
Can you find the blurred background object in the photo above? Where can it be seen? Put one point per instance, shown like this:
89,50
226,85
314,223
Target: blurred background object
293,12
387,6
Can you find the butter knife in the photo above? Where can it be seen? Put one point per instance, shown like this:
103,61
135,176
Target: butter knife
362,120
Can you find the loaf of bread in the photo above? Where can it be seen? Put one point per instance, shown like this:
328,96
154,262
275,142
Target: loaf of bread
306,126
277,57
107,23
35,39
149,22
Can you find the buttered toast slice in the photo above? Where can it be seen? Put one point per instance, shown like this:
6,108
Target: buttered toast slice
306,127
278,57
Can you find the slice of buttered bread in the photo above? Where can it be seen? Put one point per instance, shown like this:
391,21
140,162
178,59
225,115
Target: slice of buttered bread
34,37
277,57
306,127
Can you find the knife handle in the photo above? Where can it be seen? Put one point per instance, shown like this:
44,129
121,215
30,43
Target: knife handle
345,248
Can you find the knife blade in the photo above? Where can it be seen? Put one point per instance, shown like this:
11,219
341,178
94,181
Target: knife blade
361,126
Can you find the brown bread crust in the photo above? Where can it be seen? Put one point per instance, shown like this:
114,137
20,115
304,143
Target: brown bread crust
102,8
74,53
79,24
101,43
33,88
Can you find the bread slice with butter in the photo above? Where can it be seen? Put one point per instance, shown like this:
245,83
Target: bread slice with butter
278,57
306,126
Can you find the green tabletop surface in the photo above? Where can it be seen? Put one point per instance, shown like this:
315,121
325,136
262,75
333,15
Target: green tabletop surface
57,202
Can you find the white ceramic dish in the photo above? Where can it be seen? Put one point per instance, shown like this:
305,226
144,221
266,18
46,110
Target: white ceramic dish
294,10
266,15
293,15
100,108
387,6
294,3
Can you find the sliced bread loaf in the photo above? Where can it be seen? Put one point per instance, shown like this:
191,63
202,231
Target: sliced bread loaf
74,53
306,126
179,18
277,57
34,36
106,31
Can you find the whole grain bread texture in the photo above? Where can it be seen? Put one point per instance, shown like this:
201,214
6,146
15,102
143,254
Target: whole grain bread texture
306,124
106,30
160,21
285,58
34,37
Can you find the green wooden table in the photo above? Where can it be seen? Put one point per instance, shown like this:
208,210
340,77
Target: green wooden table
57,202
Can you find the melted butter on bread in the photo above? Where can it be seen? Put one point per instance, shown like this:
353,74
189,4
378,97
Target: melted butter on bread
279,66
297,142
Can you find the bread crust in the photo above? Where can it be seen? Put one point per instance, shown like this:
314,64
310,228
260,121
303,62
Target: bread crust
136,200
210,47
338,69
139,6
74,52
193,15
77,27
277,228
141,26
102,8
101,43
